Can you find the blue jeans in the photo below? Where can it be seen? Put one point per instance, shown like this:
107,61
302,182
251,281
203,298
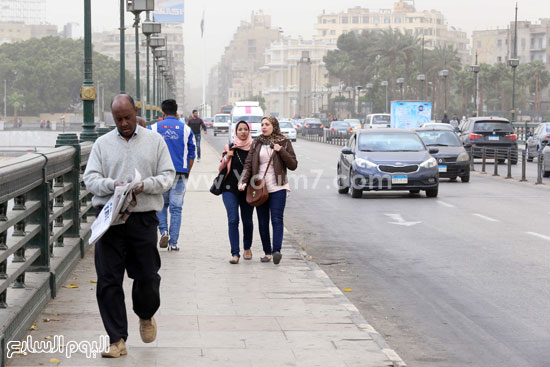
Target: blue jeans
198,144
173,198
275,206
232,204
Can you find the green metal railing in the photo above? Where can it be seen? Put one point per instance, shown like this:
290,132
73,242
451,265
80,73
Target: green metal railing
44,230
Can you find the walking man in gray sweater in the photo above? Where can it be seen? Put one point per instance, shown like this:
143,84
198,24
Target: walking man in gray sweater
131,246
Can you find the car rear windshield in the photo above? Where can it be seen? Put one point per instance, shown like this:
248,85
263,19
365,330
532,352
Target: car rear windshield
440,138
221,118
381,119
339,124
390,143
249,119
489,126
285,125
312,121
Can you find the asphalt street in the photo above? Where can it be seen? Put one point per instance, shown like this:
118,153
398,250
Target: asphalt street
460,280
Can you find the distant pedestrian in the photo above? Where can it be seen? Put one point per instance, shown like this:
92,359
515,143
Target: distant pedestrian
196,123
445,119
272,143
48,124
131,246
233,158
454,121
179,139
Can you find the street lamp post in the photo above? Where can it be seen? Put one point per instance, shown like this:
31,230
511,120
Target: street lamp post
514,63
400,82
369,87
88,91
444,74
149,28
155,43
359,88
475,69
122,49
422,79
136,7
385,84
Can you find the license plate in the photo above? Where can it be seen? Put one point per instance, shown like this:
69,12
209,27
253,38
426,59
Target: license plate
494,137
442,169
399,180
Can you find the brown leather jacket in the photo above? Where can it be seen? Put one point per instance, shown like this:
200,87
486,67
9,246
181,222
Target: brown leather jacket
283,159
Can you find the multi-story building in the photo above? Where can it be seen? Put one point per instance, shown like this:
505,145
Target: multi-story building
238,74
11,32
25,11
108,43
493,46
404,17
287,62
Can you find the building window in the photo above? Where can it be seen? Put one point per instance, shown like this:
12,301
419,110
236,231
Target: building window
397,19
251,42
345,20
409,31
439,21
324,33
332,32
324,21
478,44
376,19
365,19
410,20
499,43
499,59
355,20
387,20
334,21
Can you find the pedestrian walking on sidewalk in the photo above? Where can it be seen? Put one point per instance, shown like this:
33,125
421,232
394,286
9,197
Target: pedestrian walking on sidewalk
196,124
131,246
233,158
271,144
179,139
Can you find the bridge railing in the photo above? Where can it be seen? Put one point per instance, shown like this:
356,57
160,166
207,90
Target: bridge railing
44,230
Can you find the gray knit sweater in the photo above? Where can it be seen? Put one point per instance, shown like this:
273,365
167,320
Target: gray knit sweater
113,158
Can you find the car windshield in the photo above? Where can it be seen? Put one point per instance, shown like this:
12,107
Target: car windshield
381,119
488,126
339,124
548,128
392,142
312,121
285,125
249,119
221,118
439,138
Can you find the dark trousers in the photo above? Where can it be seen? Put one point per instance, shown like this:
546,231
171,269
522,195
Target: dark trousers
132,247
198,144
274,206
232,204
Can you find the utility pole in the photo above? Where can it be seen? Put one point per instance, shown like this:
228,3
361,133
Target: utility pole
122,50
88,91
514,63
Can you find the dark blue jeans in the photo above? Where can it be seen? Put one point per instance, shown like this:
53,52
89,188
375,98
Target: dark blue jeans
198,144
274,206
232,204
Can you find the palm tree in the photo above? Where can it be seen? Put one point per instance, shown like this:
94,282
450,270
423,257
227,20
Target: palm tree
17,100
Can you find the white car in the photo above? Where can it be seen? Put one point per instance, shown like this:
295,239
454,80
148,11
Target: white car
221,123
438,125
378,121
288,130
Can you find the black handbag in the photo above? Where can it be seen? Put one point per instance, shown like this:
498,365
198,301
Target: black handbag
217,185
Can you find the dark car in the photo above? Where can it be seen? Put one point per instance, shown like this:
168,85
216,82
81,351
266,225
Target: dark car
453,160
387,159
537,141
339,129
313,126
491,133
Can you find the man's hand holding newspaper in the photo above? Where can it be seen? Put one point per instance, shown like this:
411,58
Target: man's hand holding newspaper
119,207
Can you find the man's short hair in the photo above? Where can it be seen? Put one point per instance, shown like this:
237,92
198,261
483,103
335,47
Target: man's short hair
170,107
127,96
195,111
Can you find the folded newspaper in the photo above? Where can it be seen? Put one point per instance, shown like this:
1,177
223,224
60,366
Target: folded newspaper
117,210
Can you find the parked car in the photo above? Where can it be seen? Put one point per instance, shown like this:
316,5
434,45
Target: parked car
355,124
453,160
208,122
437,125
221,123
491,133
536,142
313,126
378,121
288,130
387,159
340,129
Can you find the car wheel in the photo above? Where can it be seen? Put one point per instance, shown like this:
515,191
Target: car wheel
432,193
465,178
215,134
414,191
453,178
341,188
546,174
355,193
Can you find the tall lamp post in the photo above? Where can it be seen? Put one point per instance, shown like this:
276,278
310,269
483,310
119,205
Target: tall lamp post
155,43
369,87
385,84
444,74
422,79
514,63
359,88
400,82
475,69
122,49
149,28
136,7
88,91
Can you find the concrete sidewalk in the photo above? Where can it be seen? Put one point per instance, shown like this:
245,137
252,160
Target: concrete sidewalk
216,314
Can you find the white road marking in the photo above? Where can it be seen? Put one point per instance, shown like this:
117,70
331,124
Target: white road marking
486,218
446,204
539,235
398,219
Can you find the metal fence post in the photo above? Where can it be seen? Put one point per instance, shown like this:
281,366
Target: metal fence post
523,165
495,172
539,168
74,178
483,160
509,175
472,165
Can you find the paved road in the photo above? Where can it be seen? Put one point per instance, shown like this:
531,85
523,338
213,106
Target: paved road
461,280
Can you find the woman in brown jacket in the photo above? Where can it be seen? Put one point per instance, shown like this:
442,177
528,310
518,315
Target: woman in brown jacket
271,142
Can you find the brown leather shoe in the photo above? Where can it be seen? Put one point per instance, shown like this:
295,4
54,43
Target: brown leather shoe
115,350
148,330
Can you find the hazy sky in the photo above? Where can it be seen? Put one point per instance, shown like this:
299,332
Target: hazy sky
223,17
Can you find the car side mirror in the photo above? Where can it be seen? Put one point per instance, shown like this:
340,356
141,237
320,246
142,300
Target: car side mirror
433,150
347,151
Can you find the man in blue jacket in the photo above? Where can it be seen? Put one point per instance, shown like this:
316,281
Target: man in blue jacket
179,139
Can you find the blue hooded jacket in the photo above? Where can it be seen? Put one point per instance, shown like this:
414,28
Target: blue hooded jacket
179,139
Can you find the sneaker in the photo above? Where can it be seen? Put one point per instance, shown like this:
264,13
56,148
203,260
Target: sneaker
164,239
198,159
115,350
148,330
173,248
277,258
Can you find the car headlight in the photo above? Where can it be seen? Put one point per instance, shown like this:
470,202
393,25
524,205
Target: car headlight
463,157
430,163
363,163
